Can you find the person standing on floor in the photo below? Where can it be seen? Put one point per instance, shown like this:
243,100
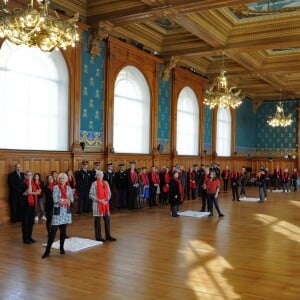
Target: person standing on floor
153,185
225,176
175,194
48,190
109,176
15,182
243,181
212,185
234,179
121,185
83,180
100,195
260,181
294,177
132,185
62,199
277,177
285,180
28,208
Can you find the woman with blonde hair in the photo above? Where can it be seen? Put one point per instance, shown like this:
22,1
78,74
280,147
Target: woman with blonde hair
62,199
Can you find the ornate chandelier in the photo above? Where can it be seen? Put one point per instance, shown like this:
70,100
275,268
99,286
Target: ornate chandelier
221,94
279,119
38,27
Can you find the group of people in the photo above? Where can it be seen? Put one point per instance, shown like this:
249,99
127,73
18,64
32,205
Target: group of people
93,190
59,191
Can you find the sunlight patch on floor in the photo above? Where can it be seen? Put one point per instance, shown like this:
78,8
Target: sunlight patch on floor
207,278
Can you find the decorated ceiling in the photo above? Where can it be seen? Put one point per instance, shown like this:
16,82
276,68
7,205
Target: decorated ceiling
259,41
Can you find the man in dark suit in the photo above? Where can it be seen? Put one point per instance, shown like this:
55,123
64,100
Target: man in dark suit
121,185
97,166
109,176
15,183
83,183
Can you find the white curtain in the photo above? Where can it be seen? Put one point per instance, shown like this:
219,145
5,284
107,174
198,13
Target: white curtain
223,132
187,141
131,129
34,99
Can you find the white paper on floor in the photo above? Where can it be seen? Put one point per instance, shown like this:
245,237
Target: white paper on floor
75,244
249,199
196,214
277,191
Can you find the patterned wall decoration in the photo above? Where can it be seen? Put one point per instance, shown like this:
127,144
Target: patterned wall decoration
246,129
278,141
164,96
207,130
92,86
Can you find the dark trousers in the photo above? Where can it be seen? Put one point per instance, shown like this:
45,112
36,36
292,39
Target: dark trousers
97,227
243,189
132,197
152,199
225,181
63,229
204,199
83,201
213,201
49,215
235,193
15,207
192,192
28,215
122,199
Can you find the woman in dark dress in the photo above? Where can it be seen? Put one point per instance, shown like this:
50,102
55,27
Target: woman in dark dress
48,190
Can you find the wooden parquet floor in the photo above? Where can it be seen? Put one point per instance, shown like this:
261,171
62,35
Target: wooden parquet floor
251,253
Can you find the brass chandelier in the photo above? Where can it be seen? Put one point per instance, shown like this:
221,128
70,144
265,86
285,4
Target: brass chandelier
221,94
280,119
40,27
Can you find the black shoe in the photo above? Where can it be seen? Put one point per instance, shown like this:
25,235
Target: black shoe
62,251
100,240
46,254
175,215
110,238
238,200
32,240
27,242
221,215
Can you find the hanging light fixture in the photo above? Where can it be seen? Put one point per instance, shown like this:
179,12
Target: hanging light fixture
40,27
221,94
280,119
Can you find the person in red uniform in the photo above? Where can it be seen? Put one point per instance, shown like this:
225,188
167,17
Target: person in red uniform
153,185
212,185
225,175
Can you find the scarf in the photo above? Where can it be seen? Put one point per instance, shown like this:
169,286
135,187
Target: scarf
71,182
145,179
167,177
30,198
36,185
64,194
102,193
134,177
154,177
51,186
180,188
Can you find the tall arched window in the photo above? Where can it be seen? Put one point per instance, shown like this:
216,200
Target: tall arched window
187,123
131,127
223,132
34,99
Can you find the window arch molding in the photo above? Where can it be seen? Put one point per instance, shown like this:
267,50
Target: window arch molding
131,112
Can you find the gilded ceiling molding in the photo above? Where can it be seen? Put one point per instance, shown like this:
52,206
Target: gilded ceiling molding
168,66
101,33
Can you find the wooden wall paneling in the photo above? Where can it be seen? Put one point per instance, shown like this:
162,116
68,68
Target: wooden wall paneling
120,55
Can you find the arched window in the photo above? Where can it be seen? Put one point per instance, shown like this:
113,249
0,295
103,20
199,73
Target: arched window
34,99
223,132
131,127
187,123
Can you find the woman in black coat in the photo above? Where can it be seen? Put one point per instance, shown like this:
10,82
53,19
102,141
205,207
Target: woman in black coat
175,193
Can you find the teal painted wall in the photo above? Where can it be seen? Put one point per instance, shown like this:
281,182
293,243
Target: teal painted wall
207,129
275,141
245,129
164,108
92,95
